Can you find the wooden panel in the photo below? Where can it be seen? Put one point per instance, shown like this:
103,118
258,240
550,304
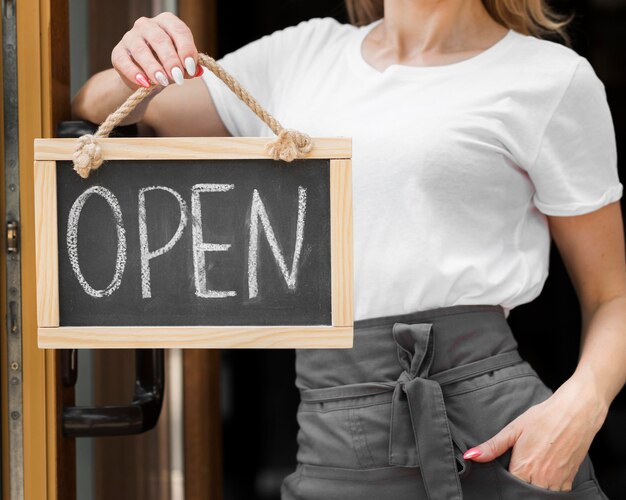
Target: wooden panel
132,467
200,16
46,244
187,148
55,99
61,450
108,22
97,337
55,64
203,425
341,241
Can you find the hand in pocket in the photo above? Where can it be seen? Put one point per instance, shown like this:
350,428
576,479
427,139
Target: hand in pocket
549,440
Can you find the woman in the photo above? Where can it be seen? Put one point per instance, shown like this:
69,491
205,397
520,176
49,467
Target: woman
473,143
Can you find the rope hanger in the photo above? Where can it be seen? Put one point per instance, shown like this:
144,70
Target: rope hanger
287,145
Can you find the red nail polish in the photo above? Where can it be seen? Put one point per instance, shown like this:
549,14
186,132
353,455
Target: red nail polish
142,80
472,453
199,70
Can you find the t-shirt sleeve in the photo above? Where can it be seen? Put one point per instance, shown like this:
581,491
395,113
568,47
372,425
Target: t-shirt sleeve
262,67
575,167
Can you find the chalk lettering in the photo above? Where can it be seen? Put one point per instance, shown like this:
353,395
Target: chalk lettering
146,254
200,247
258,212
72,240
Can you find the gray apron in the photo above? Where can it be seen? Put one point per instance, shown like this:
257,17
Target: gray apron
390,418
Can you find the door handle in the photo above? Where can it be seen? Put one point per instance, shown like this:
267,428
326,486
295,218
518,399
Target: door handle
143,412
69,366
139,416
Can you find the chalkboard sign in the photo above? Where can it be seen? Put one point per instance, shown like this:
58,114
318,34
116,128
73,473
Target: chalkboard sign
194,242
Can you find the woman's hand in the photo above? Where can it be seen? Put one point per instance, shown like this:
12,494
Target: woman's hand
550,439
160,50
164,45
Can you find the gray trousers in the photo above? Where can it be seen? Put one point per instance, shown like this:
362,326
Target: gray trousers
390,418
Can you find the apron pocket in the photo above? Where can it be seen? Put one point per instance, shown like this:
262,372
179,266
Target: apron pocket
374,425
479,407
336,483
351,433
513,488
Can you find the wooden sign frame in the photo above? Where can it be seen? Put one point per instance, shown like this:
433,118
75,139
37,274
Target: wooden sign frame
51,335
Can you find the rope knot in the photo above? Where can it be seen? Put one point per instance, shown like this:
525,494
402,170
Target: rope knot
289,145
87,156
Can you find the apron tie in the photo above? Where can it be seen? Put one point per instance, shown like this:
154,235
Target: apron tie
418,403
420,433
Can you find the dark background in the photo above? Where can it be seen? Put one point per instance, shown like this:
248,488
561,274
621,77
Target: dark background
260,399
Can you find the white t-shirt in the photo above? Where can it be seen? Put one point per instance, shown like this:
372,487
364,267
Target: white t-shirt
454,166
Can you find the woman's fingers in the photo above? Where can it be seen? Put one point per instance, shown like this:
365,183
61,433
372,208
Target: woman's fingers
566,486
141,53
132,74
182,38
160,50
496,445
163,46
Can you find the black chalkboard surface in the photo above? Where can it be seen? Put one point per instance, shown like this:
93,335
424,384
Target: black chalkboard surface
195,242
204,242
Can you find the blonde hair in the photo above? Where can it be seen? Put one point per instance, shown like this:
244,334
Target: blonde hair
530,17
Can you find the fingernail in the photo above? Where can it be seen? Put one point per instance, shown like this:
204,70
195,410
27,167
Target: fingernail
161,78
142,80
190,66
472,453
177,75
200,71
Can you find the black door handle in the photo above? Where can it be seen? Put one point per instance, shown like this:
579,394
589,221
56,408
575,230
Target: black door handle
139,416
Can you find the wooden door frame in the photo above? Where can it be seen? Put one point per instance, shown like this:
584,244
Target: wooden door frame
43,100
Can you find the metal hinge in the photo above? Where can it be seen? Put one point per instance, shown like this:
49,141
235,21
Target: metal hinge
12,237
8,8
